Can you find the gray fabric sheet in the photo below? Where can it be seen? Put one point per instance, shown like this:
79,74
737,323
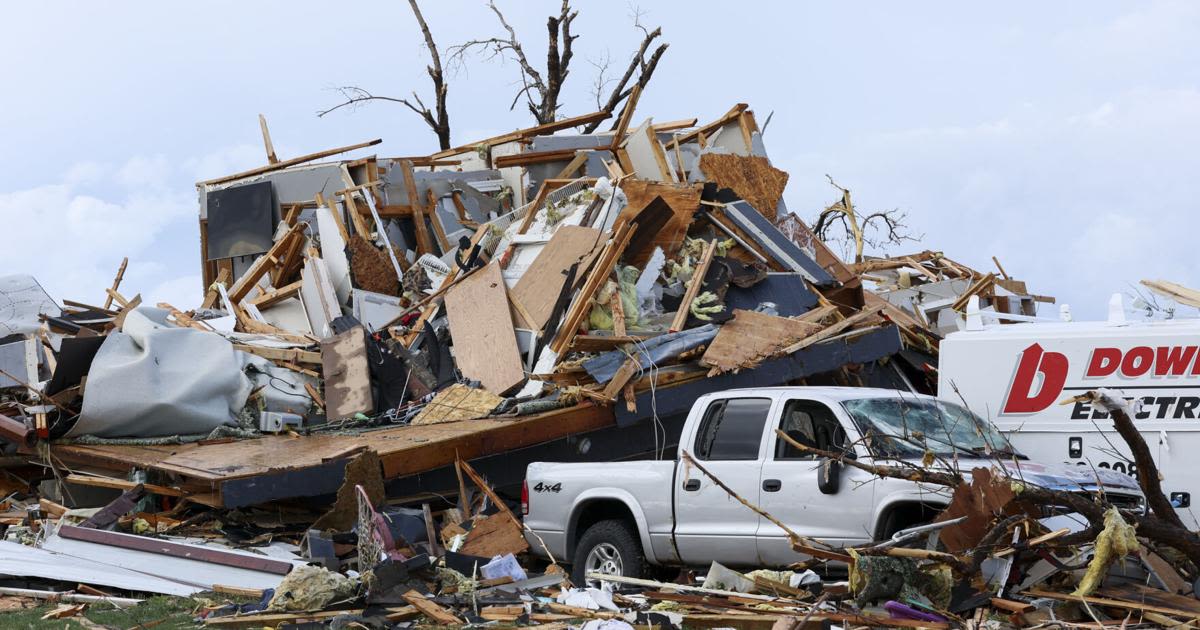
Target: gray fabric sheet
154,379
650,352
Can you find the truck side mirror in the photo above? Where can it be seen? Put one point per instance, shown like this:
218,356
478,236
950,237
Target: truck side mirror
829,476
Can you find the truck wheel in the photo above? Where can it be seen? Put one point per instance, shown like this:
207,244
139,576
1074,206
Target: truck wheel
610,547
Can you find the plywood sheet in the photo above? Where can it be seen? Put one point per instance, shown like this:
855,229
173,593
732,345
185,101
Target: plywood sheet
485,346
750,337
347,374
458,402
542,283
752,178
495,535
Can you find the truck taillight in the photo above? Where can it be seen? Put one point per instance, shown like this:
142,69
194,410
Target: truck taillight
525,497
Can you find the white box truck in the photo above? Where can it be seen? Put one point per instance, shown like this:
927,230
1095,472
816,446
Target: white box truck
1017,374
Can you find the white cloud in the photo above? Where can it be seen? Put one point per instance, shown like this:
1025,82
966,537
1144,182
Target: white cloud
72,234
224,162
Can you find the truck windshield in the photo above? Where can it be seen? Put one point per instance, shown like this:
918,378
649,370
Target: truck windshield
909,427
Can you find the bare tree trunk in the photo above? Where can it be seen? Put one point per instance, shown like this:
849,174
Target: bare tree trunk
439,122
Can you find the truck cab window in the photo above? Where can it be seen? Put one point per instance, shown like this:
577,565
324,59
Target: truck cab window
732,429
812,424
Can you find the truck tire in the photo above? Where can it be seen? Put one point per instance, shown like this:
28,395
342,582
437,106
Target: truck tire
611,547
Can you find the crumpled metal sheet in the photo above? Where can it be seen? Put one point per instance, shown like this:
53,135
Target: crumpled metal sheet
153,379
22,299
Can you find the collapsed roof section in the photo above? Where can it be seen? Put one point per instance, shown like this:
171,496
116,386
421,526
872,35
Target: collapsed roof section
495,301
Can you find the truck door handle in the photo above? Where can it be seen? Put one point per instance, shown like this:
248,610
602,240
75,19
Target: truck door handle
691,485
771,485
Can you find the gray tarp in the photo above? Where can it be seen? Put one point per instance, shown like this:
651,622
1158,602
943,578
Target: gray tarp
154,379
650,352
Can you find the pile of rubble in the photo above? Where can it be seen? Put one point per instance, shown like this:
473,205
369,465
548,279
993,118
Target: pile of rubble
371,325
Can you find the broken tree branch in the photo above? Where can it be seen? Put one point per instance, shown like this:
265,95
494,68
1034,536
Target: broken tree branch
437,119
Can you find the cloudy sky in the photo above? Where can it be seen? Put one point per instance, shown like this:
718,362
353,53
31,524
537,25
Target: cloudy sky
1060,137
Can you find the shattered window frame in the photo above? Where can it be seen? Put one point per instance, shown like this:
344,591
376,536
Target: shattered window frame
966,435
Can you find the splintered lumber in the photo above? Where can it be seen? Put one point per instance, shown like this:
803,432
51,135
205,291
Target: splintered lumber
1116,603
292,162
835,329
485,345
121,484
290,355
626,116
1174,291
582,304
693,288
116,282
424,245
267,144
752,337
975,289
458,402
275,296
751,177
264,263
534,157
541,284
211,294
431,609
578,162
539,130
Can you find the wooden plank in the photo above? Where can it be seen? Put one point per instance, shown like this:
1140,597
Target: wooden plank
835,329
424,245
707,130
534,157
347,374
267,144
403,451
431,609
975,289
263,264
626,116
292,162
485,346
538,130
168,548
752,337
582,303
116,282
211,294
542,283
291,355
276,295
693,288
1116,603
122,484
572,167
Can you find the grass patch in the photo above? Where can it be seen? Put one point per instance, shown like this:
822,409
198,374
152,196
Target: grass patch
173,612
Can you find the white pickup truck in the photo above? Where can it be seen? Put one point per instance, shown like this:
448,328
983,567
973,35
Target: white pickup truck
619,517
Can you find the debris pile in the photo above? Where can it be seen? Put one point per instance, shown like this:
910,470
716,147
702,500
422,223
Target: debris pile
369,326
